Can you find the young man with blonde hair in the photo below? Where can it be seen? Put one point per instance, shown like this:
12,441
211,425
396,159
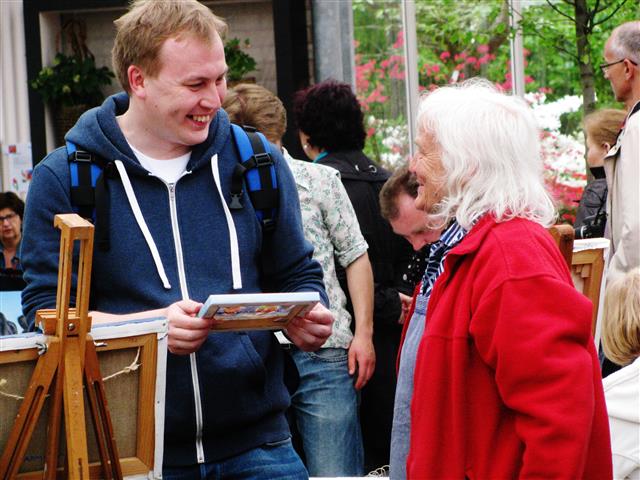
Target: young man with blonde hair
170,240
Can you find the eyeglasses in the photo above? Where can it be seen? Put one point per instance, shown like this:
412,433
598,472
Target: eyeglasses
604,66
8,217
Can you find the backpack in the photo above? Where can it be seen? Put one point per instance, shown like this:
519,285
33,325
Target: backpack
255,170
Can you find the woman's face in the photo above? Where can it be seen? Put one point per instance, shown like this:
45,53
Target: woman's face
596,153
429,171
10,225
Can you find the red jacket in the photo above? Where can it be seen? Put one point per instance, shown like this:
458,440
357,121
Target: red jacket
507,379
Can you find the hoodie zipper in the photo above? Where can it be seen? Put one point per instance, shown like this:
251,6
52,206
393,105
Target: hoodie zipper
173,211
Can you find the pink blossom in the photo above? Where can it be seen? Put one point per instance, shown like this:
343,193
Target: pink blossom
471,59
371,132
399,40
483,48
444,56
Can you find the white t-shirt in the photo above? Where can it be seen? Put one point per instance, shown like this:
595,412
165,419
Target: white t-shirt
169,170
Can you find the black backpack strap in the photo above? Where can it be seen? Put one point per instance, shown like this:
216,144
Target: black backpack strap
89,191
257,172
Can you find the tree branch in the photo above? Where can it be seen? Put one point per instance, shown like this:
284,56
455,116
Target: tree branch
558,46
560,11
615,10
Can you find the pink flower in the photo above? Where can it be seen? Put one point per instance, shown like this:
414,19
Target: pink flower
399,40
471,59
444,56
483,48
371,132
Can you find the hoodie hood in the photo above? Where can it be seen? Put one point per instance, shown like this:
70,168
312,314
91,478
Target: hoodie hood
98,131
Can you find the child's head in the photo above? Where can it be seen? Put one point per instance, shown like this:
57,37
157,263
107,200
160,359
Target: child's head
621,322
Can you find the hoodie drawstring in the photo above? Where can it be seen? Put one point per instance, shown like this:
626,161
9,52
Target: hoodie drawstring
233,236
135,207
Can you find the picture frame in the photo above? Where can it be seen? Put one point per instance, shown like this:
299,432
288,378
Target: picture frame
132,359
256,311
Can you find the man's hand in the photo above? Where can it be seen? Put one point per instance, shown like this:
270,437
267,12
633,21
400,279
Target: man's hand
187,332
362,357
405,300
310,332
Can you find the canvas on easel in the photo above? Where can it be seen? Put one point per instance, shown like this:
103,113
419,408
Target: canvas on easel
54,371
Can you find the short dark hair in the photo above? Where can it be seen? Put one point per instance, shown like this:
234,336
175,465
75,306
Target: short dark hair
330,114
13,202
401,181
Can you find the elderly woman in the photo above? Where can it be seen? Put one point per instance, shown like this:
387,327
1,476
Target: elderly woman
507,382
11,211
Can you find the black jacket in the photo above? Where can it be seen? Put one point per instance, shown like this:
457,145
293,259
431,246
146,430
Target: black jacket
592,203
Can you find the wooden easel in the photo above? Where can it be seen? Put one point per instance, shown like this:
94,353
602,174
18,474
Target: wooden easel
70,355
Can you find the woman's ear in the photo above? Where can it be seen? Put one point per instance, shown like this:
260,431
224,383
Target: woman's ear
606,146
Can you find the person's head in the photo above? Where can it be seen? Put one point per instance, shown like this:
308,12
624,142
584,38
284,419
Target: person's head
621,319
478,152
329,117
397,205
169,57
601,129
11,211
622,62
255,106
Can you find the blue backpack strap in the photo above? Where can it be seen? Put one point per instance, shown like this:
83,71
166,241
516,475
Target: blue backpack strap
84,175
257,171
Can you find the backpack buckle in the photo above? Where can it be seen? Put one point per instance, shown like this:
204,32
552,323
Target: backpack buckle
82,156
262,159
235,203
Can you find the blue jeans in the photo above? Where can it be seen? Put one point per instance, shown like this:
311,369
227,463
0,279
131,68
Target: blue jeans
325,409
271,461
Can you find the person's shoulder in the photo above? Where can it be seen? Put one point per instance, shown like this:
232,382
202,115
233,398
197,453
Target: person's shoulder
628,374
522,247
57,161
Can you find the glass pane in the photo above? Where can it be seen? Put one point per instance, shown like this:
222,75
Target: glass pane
380,79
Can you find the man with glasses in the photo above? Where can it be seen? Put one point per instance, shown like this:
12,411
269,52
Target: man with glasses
622,163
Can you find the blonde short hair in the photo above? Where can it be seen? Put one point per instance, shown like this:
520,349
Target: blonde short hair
621,320
255,106
141,32
602,126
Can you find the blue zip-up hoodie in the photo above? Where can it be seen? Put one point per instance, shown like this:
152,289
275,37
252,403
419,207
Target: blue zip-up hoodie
229,396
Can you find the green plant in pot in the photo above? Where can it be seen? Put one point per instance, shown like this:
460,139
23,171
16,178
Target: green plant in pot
72,83
239,62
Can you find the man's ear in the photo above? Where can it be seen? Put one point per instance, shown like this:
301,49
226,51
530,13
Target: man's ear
630,69
606,146
136,79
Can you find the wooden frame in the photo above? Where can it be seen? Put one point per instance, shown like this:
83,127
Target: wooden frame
588,269
146,342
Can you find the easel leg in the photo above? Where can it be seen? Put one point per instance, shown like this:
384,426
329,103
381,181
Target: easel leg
29,413
53,429
105,437
74,418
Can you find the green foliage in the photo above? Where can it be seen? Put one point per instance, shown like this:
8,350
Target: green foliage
551,38
239,62
72,80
